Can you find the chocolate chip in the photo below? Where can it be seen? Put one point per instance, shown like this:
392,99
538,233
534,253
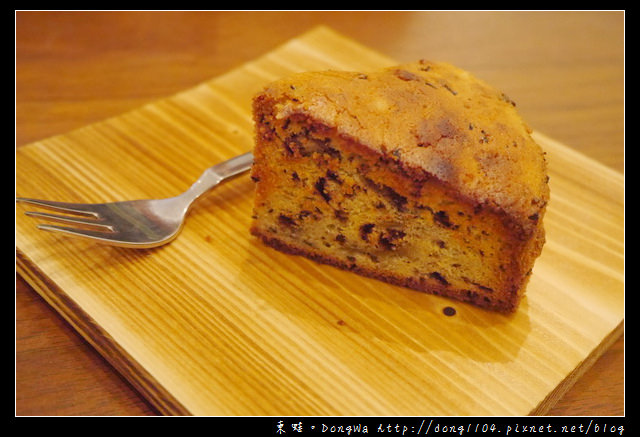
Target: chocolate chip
442,218
406,75
365,230
341,215
395,198
507,99
334,177
438,277
482,287
321,188
449,311
448,88
304,214
388,240
288,147
286,220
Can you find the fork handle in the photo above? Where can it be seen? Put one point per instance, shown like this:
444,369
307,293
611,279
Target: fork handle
233,166
218,173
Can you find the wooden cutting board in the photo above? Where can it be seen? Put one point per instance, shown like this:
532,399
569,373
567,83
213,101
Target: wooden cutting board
218,324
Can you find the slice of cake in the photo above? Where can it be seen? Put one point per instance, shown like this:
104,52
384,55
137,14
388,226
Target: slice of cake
419,175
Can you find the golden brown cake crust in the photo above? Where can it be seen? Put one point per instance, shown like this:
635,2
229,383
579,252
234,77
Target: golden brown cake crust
434,117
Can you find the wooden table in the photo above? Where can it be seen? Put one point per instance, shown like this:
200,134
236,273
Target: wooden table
565,70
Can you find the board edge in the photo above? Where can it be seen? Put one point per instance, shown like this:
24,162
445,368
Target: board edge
142,381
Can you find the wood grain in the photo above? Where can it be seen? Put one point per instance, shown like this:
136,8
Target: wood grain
207,325
59,372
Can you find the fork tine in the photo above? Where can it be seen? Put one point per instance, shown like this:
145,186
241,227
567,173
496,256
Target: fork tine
110,238
79,220
76,232
73,208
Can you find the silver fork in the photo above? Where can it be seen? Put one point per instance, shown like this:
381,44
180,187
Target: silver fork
136,223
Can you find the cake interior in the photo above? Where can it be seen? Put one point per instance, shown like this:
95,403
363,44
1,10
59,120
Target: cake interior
324,196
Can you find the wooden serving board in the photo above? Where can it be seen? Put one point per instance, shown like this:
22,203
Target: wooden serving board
218,324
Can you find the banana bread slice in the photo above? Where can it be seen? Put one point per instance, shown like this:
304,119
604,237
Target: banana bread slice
419,175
